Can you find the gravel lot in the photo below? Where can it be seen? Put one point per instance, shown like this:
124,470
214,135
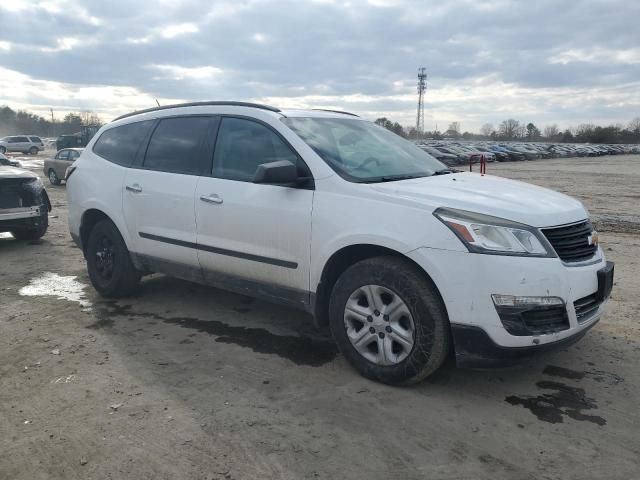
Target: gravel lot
184,381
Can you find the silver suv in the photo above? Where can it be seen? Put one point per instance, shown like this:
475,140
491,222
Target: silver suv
21,143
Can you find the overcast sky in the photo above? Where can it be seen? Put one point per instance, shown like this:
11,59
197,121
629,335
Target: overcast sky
546,61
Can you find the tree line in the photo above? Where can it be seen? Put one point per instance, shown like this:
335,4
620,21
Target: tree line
514,130
13,122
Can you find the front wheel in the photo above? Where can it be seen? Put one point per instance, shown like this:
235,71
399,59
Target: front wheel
389,321
108,262
33,151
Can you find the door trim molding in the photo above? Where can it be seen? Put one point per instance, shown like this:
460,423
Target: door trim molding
221,251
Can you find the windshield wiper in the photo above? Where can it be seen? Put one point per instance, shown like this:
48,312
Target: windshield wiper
391,178
446,171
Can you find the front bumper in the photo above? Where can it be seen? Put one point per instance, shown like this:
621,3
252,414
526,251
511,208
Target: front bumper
9,214
475,349
466,282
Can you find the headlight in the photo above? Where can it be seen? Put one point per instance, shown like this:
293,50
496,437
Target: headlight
493,235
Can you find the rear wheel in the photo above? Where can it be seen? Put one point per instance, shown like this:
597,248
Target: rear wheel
53,177
109,263
389,321
3,150
33,151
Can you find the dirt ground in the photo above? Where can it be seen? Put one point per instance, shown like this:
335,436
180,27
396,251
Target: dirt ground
188,382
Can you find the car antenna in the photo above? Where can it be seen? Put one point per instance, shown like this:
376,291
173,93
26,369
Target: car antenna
157,102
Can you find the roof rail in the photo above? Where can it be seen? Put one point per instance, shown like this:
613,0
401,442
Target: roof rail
198,104
335,111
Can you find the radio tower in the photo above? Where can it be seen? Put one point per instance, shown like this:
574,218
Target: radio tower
422,87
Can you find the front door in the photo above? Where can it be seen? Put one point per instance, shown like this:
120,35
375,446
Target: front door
253,236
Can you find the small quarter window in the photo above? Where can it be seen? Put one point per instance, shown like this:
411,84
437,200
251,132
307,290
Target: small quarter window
120,144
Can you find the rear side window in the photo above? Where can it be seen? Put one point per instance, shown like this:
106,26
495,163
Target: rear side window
242,145
120,144
176,145
73,155
63,155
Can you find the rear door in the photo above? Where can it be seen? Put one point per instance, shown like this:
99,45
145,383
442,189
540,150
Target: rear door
16,144
253,236
159,195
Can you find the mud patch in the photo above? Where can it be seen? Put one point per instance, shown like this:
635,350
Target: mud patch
563,372
564,401
54,285
599,376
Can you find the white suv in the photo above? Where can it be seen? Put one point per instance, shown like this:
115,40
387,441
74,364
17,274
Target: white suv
405,259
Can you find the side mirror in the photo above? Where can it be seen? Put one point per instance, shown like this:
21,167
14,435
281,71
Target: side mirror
280,172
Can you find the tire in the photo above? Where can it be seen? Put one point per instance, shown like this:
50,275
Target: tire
33,151
33,234
53,177
109,263
422,318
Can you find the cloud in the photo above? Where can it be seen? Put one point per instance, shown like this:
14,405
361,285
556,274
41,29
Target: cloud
486,61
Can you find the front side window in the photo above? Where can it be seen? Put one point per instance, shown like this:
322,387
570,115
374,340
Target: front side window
73,154
176,145
35,139
243,145
362,151
120,144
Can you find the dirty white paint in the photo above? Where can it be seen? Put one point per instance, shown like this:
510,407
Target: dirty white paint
54,285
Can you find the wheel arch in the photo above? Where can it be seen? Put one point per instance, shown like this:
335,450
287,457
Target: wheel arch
89,219
342,259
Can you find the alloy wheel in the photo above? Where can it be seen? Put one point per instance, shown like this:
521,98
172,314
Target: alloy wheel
379,325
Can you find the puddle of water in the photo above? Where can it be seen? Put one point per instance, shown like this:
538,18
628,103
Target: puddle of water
54,285
300,350
564,401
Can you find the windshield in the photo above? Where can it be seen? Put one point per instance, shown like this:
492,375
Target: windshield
361,151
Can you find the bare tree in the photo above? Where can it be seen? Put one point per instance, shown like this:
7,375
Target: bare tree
634,125
486,129
454,129
551,131
509,129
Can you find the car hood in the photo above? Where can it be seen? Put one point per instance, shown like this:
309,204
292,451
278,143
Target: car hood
496,196
13,172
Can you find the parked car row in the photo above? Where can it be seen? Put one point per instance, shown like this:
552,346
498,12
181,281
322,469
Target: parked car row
461,153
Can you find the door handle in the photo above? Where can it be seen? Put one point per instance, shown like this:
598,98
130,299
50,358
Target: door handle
135,188
211,198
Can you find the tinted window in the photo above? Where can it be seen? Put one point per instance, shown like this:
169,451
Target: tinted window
242,145
175,145
120,144
35,139
63,155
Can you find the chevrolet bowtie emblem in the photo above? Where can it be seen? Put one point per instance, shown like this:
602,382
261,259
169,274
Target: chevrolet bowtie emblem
593,238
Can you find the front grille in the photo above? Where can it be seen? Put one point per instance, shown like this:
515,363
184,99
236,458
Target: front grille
571,242
585,307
